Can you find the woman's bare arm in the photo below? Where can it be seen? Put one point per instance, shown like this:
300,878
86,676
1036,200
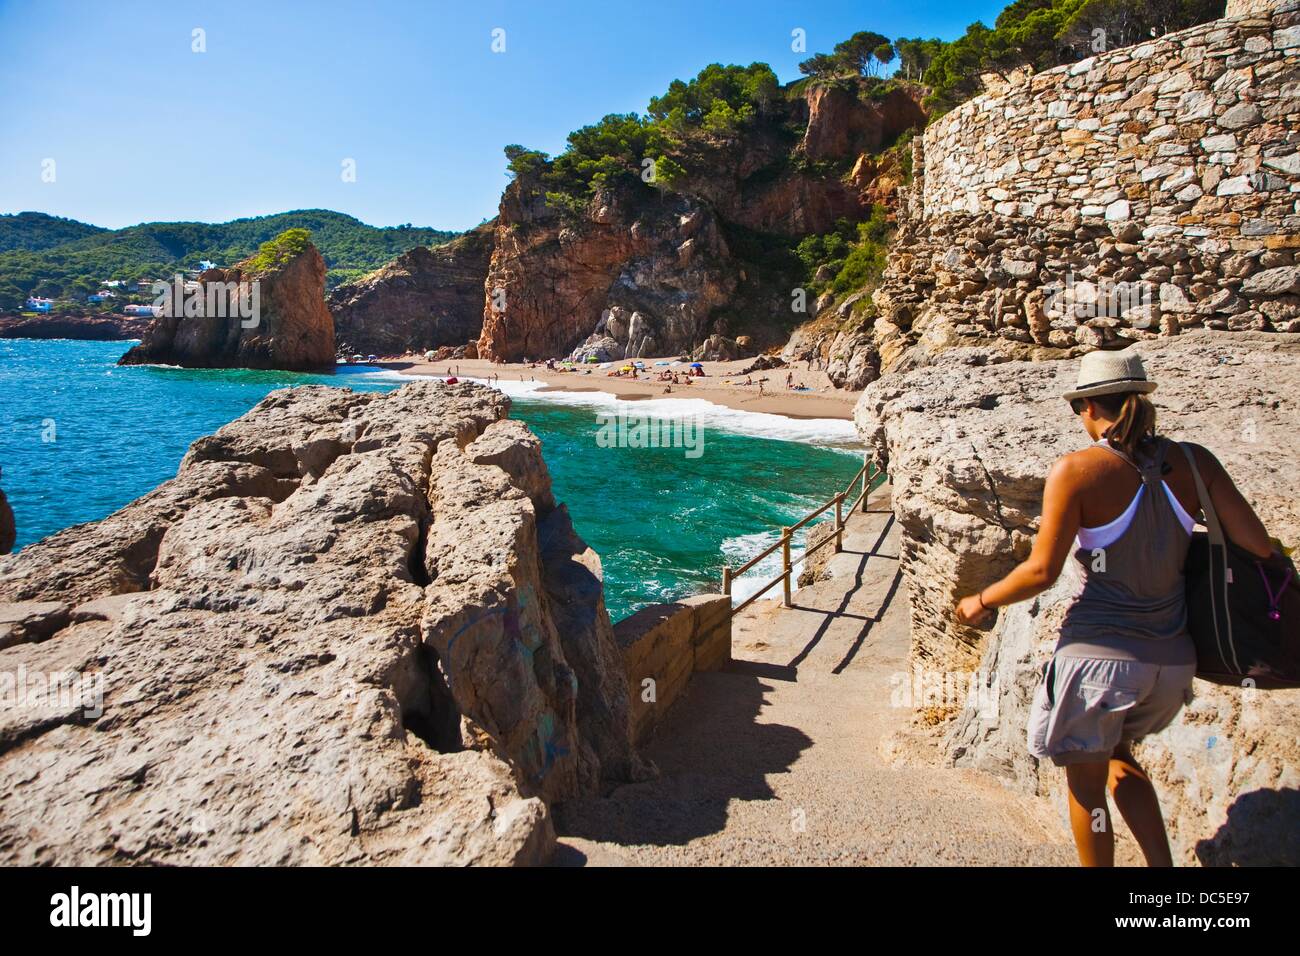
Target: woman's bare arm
1052,545
1240,523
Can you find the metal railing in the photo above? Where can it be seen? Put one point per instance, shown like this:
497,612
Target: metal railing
866,475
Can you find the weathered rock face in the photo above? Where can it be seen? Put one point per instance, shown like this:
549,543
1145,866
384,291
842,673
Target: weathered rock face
717,348
658,273
655,273
241,318
968,442
1135,194
842,123
424,299
354,628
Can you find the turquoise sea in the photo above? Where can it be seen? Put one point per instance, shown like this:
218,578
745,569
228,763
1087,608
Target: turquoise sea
81,437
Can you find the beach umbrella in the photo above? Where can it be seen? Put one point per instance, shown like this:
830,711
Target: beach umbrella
696,365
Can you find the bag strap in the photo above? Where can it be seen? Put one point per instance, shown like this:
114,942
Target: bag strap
1207,506
1218,572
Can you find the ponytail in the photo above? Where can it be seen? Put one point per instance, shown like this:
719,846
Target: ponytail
1135,420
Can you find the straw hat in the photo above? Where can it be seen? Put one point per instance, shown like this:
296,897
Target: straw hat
1110,373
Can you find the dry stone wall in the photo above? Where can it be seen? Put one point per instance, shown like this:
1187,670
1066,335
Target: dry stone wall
1137,193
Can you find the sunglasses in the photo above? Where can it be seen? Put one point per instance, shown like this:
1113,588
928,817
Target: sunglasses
1077,405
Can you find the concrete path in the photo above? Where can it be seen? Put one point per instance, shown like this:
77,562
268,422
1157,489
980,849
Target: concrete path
781,758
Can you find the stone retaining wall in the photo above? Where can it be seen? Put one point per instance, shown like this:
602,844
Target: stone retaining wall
1136,193
666,644
1190,135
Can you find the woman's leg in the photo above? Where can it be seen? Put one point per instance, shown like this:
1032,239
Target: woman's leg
1094,837
1138,805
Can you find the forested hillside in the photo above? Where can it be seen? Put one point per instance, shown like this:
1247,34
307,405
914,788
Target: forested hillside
34,231
44,255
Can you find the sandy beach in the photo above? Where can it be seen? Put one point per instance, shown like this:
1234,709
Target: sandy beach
722,383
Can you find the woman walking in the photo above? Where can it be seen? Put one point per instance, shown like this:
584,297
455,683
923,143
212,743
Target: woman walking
1124,662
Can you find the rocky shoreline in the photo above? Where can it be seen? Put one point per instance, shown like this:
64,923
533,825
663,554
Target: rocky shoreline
354,628
92,328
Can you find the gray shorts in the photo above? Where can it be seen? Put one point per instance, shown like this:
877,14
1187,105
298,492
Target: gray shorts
1085,707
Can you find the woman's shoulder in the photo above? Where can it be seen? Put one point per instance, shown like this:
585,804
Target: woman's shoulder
1085,460
1078,469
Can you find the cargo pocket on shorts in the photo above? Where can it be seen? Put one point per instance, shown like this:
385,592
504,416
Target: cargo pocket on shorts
1107,699
1040,712
1099,725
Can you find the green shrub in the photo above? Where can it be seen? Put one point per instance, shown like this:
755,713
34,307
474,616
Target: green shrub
276,252
865,263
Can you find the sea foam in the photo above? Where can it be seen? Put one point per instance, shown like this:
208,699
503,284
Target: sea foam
834,433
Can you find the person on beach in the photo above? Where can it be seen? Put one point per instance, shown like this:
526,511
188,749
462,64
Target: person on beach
1124,661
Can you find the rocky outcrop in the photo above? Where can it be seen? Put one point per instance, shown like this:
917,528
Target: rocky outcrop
354,628
267,312
844,120
649,278
1138,193
97,328
424,299
968,441
717,348
640,270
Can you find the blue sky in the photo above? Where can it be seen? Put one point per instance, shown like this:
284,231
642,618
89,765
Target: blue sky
141,128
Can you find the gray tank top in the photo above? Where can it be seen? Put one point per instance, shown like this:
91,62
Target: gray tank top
1129,601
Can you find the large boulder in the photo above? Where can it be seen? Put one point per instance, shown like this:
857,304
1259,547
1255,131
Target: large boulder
354,628
267,312
598,348
968,441
716,348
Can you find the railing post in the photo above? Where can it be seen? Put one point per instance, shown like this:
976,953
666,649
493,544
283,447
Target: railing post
726,579
866,487
785,562
839,522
